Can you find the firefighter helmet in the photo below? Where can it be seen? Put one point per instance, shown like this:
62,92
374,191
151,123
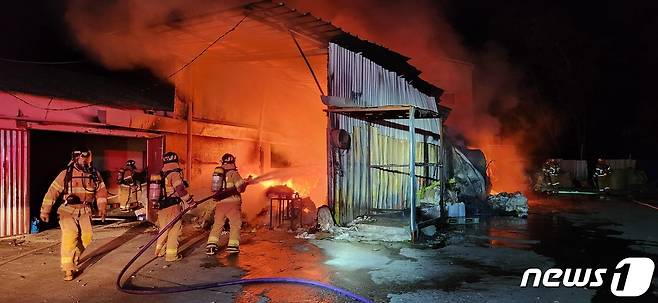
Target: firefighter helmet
80,152
170,157
228,158
131,163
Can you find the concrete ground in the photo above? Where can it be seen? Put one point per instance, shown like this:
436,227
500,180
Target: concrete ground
482,262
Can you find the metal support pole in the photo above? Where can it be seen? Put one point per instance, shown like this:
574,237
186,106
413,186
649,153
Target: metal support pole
271,210
301,52
412,173
188,165
368,168
331,172
426,160
442,157
261,152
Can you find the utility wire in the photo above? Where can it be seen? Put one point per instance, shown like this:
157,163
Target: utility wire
208,47
100,103
48,108
41,62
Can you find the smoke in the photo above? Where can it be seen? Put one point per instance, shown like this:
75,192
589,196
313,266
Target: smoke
277,97
129,34
491,107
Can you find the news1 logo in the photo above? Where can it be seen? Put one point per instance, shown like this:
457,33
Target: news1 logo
631,277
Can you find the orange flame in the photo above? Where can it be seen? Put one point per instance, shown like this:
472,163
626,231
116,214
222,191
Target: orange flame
505,163
299,186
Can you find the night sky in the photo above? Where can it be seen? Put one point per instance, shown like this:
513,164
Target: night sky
593,63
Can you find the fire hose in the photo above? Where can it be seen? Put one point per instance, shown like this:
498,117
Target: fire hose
184,288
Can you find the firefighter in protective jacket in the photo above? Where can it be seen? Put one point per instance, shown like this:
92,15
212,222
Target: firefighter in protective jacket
173,194
80,186
602,173
130,187
551,169
226,177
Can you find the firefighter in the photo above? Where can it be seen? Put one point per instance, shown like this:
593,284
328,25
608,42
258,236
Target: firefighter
602,175
551,169
173,196
129,186
206,219
226,177
80,186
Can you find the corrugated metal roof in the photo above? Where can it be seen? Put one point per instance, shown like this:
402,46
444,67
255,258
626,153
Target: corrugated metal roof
321,31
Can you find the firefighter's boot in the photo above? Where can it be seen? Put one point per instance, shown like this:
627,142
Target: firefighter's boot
68,275
177,258
212,249
233,249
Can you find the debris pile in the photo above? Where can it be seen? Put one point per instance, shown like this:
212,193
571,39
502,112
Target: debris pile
515,203
362,220
325,219
305,235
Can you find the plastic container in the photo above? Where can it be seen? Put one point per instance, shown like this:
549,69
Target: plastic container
34,225
457,210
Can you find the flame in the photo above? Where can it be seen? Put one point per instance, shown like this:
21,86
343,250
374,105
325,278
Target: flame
505,162
299,185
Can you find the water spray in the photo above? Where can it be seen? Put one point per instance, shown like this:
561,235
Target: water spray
184,288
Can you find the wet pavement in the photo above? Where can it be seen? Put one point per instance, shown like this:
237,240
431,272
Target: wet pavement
480,262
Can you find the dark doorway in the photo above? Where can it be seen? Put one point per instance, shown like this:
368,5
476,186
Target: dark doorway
50,152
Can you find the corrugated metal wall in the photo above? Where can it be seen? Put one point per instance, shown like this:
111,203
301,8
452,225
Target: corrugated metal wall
14,204
354,77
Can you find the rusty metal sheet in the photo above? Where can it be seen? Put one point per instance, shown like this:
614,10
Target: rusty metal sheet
14,204
364,83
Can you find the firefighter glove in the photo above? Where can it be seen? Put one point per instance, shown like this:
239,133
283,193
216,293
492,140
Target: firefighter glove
190,203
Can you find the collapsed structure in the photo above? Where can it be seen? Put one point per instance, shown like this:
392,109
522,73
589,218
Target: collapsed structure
283,89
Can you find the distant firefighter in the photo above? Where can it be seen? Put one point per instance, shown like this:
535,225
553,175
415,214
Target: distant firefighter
602,173
173,195
226,177
551,170
130,187
80,185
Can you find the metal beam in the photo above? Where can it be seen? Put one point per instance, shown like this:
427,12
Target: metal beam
389,111
399,126
393,171
152,123
405,165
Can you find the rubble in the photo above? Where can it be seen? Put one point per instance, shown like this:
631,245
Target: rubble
325,218
471,182
305,235
515,203
430,211
362,220
429,231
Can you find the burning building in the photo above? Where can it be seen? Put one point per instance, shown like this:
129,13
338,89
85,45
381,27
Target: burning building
350,123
